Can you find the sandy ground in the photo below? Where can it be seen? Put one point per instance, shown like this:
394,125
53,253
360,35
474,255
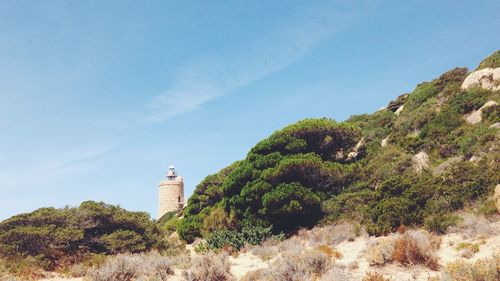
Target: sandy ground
353,258
245,263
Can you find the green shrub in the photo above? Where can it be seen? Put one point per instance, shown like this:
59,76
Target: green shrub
50,235
237,239
439,223
493,61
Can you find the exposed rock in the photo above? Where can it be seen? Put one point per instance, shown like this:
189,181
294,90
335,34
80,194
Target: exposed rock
398,111
476,116
443,166
359,145
474,158
420,161
352,155
357,150
495,126
384,142
497,197
397,103
487,78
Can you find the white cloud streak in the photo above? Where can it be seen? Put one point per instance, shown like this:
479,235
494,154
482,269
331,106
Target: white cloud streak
206,79
65,164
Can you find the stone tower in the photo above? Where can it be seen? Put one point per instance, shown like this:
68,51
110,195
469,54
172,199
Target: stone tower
170,193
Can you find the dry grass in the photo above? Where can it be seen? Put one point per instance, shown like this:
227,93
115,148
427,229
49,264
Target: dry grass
7,277
380,251
124,267
336,274
256,275
309,265
209,267
467,249
329,251
331,234
264,253
417,247
411,248
370,276
481,270
474,227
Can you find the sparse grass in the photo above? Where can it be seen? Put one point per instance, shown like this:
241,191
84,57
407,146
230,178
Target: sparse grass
329,251
474,247
410,248
295,266
380,252
330,234
209,267
474,227
336,274
27,268
481,270
370,276
126,267
416,247
265,252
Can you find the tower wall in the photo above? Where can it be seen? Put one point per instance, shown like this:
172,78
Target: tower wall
170,196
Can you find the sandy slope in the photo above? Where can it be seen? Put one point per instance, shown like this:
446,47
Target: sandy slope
353,258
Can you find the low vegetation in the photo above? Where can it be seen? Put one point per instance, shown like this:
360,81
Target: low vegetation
56,239
209,267
134,267
481,270
317,182
320,170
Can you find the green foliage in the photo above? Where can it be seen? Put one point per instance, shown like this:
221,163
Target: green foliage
280,183
303,174
423,92
493,61
237,239
439,223
49,234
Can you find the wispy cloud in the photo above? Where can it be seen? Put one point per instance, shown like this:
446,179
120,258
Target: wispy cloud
65,164
206,79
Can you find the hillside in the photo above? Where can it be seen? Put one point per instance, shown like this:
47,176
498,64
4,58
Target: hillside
410,192
427,154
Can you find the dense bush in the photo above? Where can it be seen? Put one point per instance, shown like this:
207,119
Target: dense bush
237,239
319,170
280,183
49,235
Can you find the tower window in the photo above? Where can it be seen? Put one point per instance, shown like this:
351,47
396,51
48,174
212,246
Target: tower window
178,199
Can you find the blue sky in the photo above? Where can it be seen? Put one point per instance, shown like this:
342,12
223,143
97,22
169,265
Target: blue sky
97,98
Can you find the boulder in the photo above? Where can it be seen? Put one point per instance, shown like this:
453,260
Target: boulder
398,111
420,161
384,142
495,126
476,116
487,78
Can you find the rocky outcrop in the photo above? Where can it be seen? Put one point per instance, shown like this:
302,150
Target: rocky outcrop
357,150
420,161
487,78
495,126
397,103
398,111
476,116
384,142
